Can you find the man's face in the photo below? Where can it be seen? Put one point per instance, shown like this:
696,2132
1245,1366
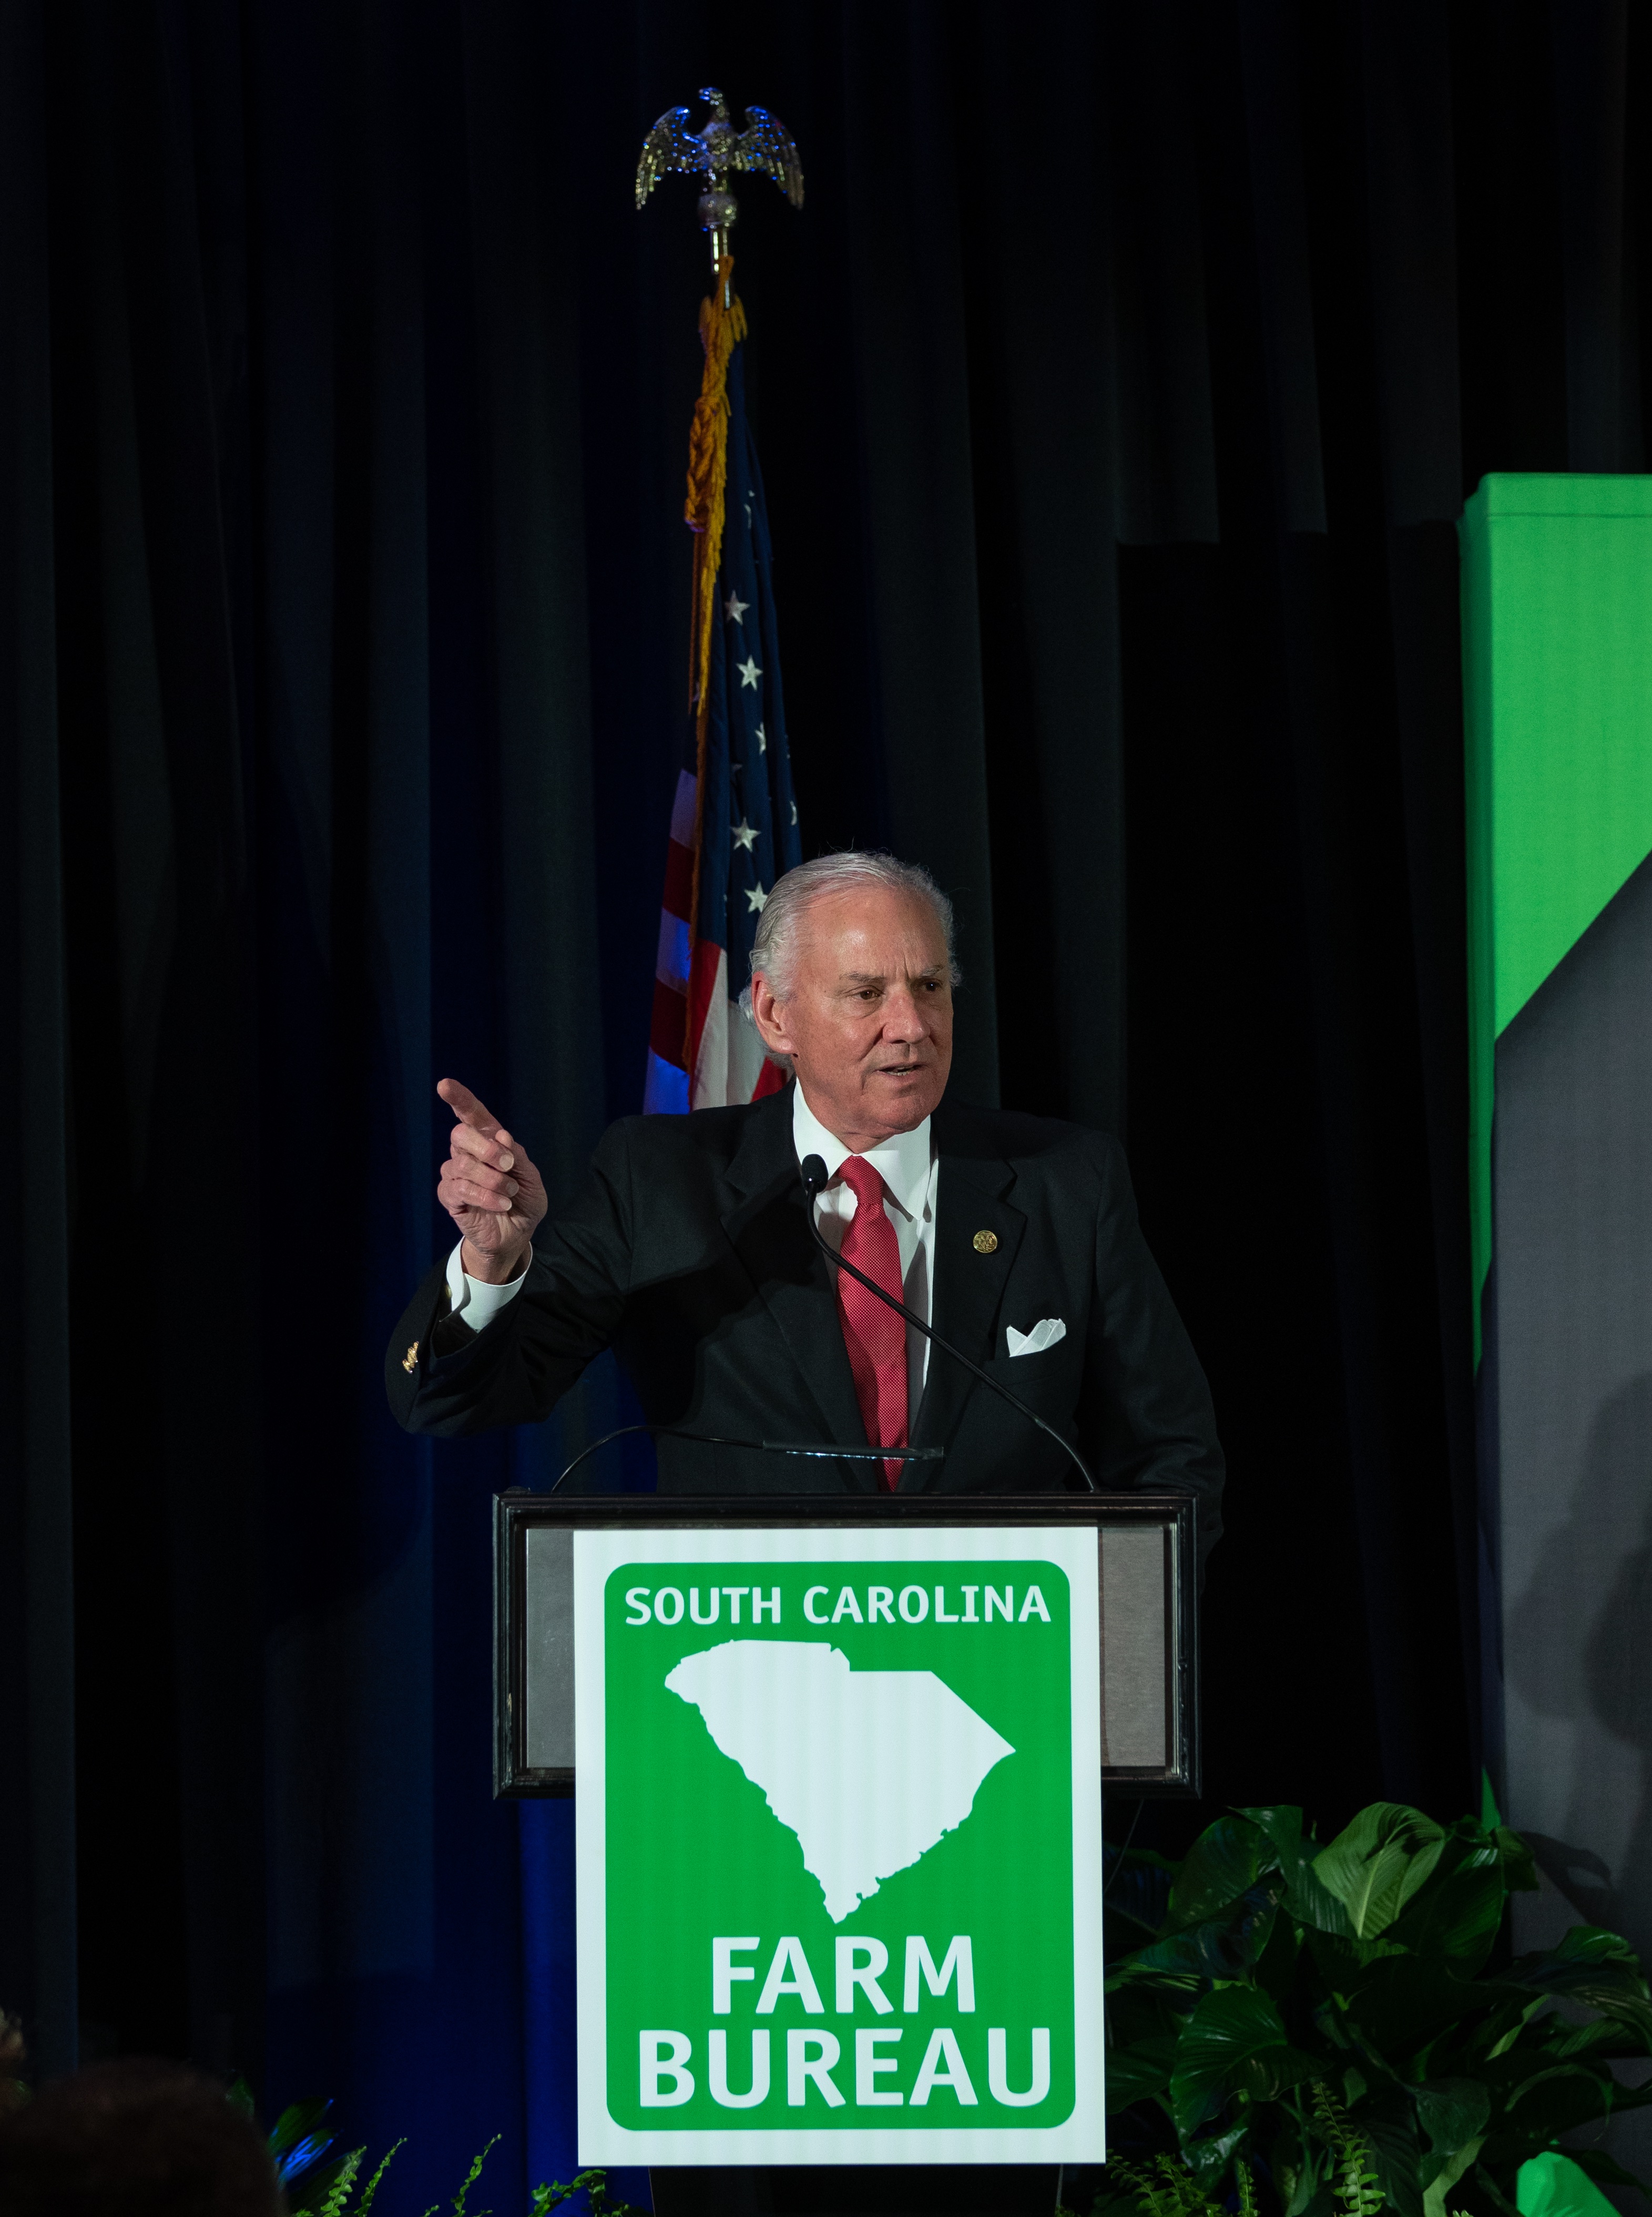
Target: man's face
867,1022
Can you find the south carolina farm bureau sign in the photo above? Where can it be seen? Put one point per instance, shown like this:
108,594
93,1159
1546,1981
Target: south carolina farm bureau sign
839,1846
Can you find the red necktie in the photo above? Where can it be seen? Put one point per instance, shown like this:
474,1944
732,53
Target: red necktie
875,1336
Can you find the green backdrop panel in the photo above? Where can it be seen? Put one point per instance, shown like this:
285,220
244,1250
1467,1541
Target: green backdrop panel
1557,672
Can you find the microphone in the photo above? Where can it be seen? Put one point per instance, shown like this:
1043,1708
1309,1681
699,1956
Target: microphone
814,1171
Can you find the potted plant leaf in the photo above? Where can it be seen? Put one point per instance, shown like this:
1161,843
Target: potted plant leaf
1276,2003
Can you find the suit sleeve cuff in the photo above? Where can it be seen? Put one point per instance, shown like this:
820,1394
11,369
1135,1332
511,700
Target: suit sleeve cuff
472,1299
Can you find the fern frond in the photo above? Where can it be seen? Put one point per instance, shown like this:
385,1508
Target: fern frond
1142,2183
595,2182
1333,2117
471,2177
600,2204
1173,2192
1355,2186
547,2198
338,2194
372,2186
1192,2199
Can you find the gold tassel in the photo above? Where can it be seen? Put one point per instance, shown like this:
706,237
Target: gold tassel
721,328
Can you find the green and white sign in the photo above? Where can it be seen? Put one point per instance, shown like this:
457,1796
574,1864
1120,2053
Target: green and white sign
839,1846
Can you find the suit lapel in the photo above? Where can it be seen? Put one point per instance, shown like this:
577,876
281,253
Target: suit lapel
968,1283
768,1227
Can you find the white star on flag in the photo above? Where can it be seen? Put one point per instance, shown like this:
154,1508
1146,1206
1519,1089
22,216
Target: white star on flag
794,811
755,897
735,608
749,671
746,835
763,740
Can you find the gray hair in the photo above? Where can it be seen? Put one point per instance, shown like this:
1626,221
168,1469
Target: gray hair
774,950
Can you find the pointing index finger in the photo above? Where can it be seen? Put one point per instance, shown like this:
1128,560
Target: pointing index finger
466,1108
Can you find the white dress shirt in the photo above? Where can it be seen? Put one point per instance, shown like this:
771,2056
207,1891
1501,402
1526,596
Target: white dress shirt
474,1299
910,1173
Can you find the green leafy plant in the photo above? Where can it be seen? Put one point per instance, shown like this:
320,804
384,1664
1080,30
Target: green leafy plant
1355,2186
1163,2189
1331,2020
1169,2189
593,2183
471,2177
336,2198
317,2187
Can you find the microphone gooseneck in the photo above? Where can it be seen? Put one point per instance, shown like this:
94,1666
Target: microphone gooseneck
810,1450
813,1172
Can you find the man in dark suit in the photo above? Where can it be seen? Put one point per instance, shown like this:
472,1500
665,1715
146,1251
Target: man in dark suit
688,1250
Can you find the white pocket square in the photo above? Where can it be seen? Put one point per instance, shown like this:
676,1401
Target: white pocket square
1036,1340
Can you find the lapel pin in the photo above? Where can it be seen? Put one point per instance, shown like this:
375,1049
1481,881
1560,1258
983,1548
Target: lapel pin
410,1360
986,1243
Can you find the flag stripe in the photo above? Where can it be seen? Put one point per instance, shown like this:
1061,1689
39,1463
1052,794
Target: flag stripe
668,1025
733,815
679,895
707,989
710,1051
672,962
666,1092
746,1055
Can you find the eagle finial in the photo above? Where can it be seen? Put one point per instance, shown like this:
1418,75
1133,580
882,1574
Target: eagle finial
765,146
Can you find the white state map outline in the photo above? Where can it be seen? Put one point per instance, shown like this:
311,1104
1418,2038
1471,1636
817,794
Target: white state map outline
1081,2136
867,1769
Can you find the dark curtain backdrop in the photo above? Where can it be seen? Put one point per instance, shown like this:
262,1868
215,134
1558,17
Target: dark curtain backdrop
1116,391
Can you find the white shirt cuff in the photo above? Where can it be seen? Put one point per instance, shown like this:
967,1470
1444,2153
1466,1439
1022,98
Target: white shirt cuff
473,1298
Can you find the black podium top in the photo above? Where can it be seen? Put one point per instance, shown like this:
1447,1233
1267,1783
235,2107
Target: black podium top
1149,1623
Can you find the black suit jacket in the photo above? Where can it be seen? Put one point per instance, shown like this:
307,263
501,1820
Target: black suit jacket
688,1251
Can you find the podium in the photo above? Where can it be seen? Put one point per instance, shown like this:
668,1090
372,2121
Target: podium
840,1764
1149,1621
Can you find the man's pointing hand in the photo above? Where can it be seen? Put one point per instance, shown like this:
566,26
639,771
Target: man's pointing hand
488,1187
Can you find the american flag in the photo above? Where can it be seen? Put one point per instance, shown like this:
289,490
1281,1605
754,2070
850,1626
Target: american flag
734,821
